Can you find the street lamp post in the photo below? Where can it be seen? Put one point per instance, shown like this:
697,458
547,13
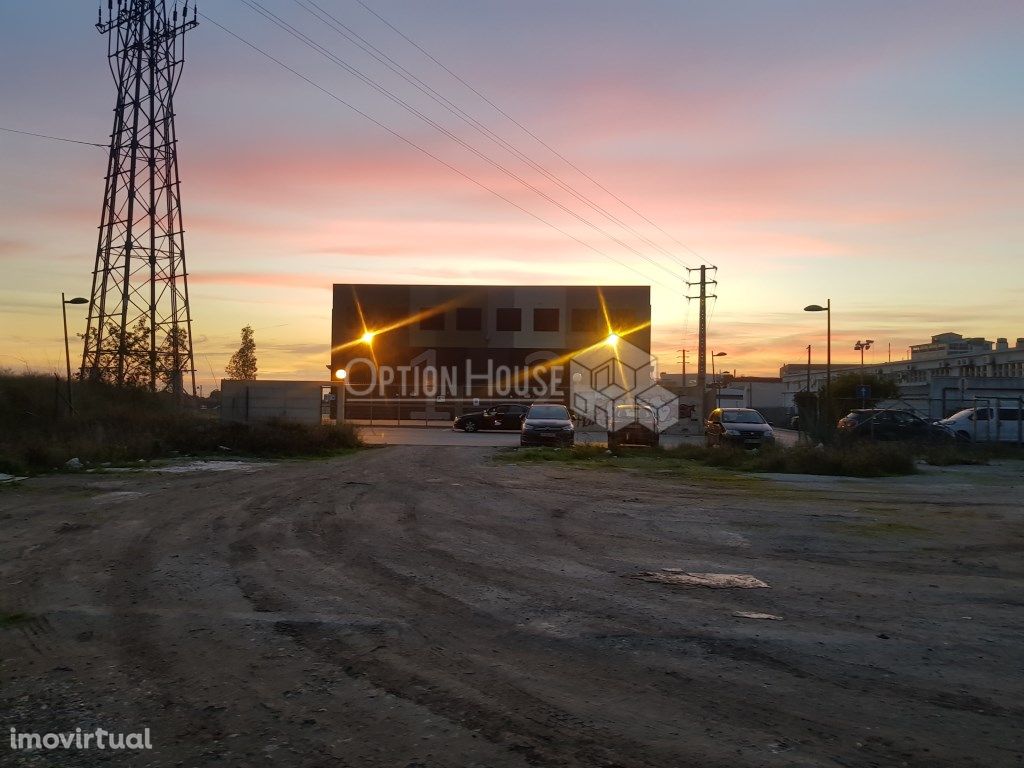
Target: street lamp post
67,350
860,346
827,309
341,374
718,384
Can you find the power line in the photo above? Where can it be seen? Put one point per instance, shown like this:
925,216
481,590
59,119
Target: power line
531,134
55,138
427,152
312,44
342,29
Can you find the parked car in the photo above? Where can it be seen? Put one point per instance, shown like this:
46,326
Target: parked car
499,417
547,424
738,426
633,425
984,424
886,424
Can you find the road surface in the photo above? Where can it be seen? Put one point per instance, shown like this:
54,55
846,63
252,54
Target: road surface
416,606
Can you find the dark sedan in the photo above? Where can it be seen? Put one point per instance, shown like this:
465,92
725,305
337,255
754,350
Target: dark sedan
547,425
742,427
883,424
499,417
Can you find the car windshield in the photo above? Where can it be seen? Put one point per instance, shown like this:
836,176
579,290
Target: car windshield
548,412
633,413
742,417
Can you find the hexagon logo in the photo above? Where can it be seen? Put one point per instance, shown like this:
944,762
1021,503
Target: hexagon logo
616,373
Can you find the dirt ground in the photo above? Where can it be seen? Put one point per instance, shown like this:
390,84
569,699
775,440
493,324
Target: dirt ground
424,606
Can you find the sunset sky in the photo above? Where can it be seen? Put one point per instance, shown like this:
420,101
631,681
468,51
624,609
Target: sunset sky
867,152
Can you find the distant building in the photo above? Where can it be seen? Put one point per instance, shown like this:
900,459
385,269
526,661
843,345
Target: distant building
942,376
433,351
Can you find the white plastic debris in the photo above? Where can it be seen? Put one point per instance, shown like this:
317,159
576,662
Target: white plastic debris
679,578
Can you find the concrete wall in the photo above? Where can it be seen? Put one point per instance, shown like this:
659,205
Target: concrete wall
260,401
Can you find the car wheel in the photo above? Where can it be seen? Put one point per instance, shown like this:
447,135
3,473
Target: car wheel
470,426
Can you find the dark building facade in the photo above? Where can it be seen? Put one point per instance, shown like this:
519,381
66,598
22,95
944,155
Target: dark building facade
438,350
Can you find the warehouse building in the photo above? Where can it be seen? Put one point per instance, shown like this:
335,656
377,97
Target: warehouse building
433,351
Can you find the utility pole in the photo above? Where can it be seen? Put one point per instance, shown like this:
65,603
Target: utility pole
702,333
140,328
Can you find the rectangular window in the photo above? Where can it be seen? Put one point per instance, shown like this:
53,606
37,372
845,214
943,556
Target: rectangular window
509,319
469,319
623,319
545,320
432,319
586,320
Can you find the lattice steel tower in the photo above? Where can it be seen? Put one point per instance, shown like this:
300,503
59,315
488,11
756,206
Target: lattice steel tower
140,329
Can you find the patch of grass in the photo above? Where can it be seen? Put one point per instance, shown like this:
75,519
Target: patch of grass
122,426
978,454
953,455
861,460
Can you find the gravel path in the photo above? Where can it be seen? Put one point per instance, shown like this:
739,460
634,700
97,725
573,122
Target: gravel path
419,606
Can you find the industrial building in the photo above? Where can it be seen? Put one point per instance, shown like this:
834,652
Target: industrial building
434,351
939,377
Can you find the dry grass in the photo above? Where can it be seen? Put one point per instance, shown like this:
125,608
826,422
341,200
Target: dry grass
37,434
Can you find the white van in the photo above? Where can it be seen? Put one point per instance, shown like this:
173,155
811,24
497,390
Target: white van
985,424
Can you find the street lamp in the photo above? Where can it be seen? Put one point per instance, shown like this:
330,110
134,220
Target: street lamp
67,351
341,374
828,354
860,346
718,385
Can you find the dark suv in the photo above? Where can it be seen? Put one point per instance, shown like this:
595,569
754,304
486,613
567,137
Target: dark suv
883,424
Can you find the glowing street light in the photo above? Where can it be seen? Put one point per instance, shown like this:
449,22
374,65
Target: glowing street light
612,340
367,338
340,374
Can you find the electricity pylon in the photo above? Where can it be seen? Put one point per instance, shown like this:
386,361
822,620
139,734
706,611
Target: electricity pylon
140,330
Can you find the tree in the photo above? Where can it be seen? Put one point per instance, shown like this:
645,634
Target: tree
845,390
172,359
243,363
818,414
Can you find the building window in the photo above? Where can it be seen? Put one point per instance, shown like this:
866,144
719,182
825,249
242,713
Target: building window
585,320
509,319
432,319
623,319
545,320
469,319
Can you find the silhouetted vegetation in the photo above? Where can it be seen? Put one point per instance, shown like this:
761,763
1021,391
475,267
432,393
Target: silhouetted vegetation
119,425
863,460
